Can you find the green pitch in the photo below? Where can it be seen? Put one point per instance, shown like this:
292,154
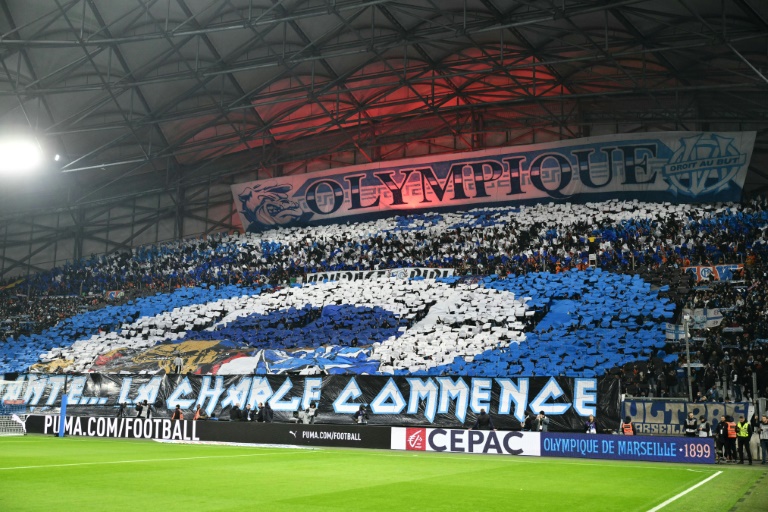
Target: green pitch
77,473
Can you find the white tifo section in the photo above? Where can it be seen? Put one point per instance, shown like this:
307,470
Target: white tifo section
560,216
436,340
500,442
460,321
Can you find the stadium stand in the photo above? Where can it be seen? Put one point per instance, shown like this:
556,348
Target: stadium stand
551,289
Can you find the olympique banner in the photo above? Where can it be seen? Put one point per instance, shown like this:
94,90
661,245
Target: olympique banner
466,441
661,417
448,402
714,272
666,166
692,450
398,273
351,436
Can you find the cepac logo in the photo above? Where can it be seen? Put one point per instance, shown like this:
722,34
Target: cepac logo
416,439
703,165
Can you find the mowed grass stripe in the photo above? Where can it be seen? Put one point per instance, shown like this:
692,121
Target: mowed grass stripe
183,477
141,461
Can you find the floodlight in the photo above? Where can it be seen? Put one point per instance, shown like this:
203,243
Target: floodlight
19,155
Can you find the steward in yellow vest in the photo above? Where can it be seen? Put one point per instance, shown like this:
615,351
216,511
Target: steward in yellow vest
743,435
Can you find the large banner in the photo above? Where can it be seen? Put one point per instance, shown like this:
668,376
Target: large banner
396,273
714,272
451,402
667,166
705,318
700,318
662,417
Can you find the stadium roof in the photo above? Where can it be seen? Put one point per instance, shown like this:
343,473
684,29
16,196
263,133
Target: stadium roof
142,87
145,96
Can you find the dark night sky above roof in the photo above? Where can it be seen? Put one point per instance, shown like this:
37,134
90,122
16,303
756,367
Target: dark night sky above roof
137,94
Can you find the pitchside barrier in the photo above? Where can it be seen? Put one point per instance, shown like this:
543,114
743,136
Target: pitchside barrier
165,429
502,442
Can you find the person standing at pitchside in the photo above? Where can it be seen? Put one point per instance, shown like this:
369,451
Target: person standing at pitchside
143,410
743,435
627,427
730,440
483,422
590,426
764,438
690,425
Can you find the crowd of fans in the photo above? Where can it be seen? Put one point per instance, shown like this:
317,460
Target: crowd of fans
20,314
549,237
619,235
728,352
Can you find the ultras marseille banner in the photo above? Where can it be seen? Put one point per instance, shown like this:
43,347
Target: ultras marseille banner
666,166
655,417
451,402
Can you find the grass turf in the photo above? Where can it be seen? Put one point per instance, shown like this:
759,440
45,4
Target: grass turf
78,473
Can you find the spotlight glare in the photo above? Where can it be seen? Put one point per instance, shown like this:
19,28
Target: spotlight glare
19,155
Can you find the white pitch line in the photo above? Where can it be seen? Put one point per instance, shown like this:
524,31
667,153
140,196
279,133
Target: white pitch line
143,460
680,495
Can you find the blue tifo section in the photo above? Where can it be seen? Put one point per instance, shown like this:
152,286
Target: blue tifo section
310,326
26,350
585,323
590,322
